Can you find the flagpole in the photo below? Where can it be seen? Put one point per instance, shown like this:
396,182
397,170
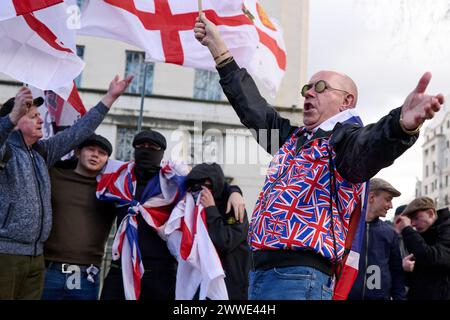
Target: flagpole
141,113
200,7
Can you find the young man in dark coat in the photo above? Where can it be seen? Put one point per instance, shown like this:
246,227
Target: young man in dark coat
228,235
426,233
380,275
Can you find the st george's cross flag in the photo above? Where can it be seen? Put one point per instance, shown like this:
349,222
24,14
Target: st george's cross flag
38,49
164,30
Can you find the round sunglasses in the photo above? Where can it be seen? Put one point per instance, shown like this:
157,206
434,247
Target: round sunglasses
320,86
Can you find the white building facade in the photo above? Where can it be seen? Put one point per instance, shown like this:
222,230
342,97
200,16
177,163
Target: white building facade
435,182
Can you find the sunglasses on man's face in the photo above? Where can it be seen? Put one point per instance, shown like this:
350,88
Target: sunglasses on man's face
148,145
320,86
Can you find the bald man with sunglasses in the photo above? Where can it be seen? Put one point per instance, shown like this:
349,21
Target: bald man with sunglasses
317,177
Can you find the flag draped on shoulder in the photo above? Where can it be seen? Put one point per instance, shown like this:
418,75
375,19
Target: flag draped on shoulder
199,265
13,8
118,184
38,48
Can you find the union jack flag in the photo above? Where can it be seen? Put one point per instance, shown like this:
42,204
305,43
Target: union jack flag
163,191
199,264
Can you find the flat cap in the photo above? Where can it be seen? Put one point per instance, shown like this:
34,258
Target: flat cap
97,140
152,136
9,105
383,185
419,204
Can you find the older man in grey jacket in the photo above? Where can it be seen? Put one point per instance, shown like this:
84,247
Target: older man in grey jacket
25,205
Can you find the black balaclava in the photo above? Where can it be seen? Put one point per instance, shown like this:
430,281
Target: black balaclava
148,162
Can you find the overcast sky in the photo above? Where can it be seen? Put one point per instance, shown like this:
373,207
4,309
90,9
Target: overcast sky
385,46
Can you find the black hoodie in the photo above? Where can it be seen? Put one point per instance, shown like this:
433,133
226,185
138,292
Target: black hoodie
229,237
430,279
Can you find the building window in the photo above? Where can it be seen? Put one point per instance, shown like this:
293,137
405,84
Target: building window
433,148
426,153
448,124
124,147
426,171
80,53
446,181
206,85
434,167
135,65
426,190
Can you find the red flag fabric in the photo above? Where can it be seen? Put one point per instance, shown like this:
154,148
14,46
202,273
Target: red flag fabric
13,8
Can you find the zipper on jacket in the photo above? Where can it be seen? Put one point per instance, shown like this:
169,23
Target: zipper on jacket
41,215
366,260
272,185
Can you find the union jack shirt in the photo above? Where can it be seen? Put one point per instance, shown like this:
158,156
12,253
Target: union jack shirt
295,206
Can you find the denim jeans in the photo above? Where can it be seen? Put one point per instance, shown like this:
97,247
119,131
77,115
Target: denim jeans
290,283
61,285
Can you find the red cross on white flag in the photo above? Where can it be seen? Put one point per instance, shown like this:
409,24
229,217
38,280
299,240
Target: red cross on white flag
13,8
164,28
38,49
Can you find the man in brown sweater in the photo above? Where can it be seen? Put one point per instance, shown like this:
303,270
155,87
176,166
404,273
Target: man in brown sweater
81,224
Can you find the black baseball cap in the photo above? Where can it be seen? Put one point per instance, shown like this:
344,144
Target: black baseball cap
97,140
9,105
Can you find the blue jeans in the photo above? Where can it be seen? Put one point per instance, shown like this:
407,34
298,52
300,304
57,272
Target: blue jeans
290,283
65,286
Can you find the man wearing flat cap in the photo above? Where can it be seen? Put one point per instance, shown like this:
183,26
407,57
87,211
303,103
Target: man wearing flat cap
426,233
380,275
145,191
81,223
25,210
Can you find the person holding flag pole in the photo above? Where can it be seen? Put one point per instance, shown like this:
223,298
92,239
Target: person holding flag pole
306,230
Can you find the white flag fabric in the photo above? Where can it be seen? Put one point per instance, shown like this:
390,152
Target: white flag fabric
269,62
164,28
39,49
199,264
13,8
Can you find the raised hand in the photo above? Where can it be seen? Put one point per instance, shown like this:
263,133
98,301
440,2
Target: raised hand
420,106
208,35
22,103
116,88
